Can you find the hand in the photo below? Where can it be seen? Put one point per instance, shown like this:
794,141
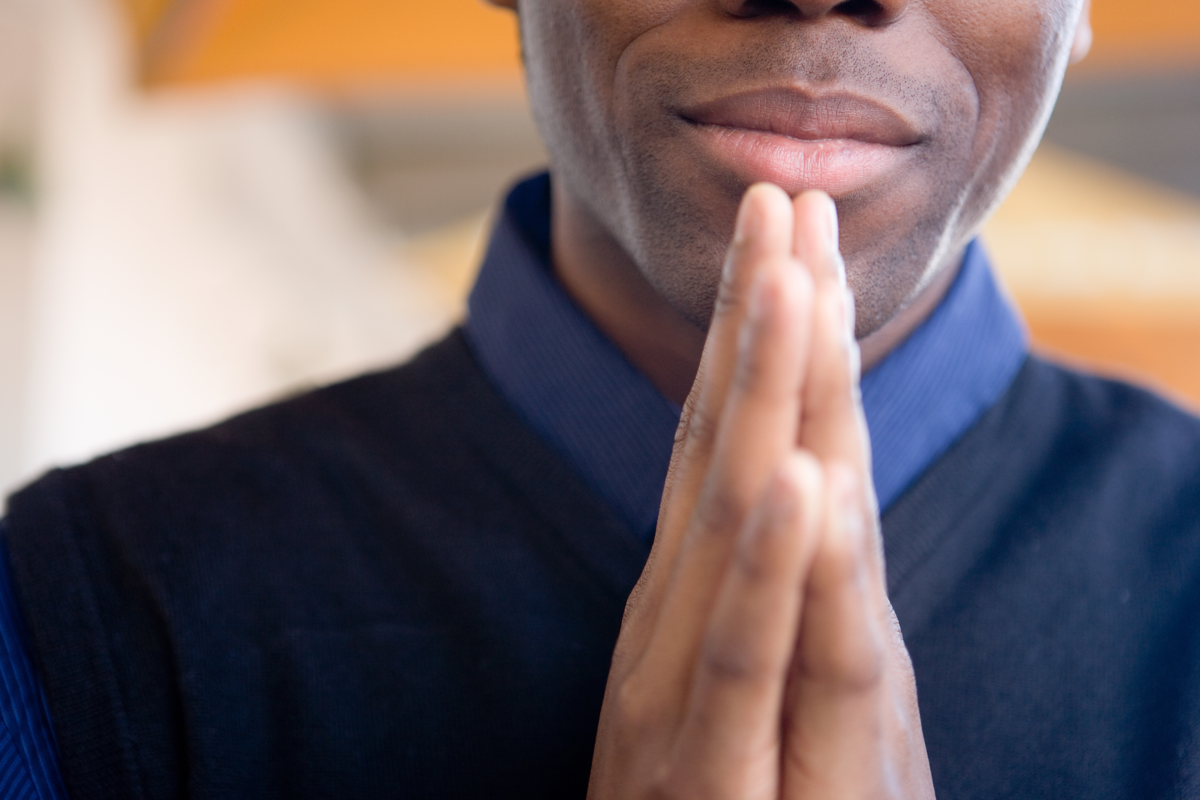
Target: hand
759,656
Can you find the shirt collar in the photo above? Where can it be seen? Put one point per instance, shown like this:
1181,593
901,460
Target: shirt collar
584,398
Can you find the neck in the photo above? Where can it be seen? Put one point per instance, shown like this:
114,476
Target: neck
603,279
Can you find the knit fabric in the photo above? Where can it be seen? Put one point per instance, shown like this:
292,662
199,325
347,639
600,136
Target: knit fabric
394,587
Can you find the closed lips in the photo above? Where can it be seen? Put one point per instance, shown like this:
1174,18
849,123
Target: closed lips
804,117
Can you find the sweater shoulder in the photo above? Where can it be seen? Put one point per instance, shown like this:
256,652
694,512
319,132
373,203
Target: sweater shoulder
1045,574
1101,398
188,599
1110,428
1097,465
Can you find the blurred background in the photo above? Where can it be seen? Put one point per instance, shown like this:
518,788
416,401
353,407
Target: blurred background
205,204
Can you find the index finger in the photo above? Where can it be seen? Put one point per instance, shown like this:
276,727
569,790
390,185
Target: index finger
833,427
763,231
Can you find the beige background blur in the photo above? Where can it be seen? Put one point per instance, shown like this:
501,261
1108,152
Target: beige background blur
206,204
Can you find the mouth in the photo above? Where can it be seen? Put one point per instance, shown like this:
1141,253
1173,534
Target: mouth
838,143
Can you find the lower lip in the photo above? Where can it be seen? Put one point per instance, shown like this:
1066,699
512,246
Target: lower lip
836,166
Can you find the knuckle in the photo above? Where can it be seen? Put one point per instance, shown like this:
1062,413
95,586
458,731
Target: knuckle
671,783
805,473
636,707
845,562
861,675
731,662
702,426
720,511
676,780
751,565
808,466
852,674
843,567
750,375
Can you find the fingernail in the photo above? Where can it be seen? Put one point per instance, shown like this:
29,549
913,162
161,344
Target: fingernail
832,222
747,218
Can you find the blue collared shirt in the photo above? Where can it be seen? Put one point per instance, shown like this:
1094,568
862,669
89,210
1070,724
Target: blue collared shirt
584,398
590,404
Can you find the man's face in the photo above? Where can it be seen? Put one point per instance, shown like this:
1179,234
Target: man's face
915,116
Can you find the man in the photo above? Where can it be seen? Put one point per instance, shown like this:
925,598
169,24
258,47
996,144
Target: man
413,583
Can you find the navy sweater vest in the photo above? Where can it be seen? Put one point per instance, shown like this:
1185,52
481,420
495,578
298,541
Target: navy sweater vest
392,588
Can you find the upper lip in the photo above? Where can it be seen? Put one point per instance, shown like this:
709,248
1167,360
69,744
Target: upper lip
800,115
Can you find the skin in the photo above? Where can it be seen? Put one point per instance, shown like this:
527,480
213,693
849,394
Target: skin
642,220
759,656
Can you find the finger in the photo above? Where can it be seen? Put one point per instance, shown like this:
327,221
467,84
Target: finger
833,427
732,723
763,233
816,237
757,429
835,708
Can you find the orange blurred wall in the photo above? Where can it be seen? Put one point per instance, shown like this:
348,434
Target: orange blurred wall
338,42
1149,32
331,42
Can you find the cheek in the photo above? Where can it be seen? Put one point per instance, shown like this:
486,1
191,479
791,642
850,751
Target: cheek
1004,40
1014,52
573,51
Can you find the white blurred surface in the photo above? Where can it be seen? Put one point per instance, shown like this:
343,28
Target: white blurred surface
195,255
16,236
19,61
